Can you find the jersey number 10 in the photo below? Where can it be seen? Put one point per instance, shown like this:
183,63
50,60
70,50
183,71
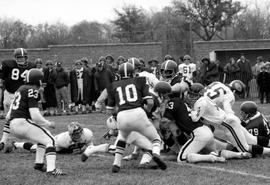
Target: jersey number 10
129,94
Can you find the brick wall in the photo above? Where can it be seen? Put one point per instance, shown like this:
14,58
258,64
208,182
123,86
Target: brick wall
68,53
233,48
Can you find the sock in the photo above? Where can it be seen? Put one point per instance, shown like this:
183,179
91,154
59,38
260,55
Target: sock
263,141
94,149
194,158
227,154
120,149
135,150
19,145
40,153
156,146
146,157
50,158
6,132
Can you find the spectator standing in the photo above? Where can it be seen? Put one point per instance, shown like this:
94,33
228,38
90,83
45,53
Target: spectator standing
263,81
153,66
245,73
81,86
257,68
61,81
49,89
231,69
209,71
103,77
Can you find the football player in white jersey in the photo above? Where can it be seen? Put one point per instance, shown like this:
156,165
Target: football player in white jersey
223,95
75,140
206,110
187,69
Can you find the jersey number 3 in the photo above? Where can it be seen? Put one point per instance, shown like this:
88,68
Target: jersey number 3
129,94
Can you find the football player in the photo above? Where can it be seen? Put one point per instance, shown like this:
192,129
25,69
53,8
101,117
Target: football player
128,95
187,69
134,138
203,108
253,120
168,70
13,75
223,95
26,122
75,140
177,112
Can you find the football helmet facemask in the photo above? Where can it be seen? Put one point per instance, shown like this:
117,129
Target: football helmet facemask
126,70
168,69
21,56
34,77
248,109
194,93
237,86
75,131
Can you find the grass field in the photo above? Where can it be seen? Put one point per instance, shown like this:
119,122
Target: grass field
17,167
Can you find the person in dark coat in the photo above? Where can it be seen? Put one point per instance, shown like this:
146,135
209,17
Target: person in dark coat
209,72
81,86
49,89
263,81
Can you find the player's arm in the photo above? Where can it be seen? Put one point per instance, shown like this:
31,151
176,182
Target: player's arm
111,100
101,99
198,111
146,95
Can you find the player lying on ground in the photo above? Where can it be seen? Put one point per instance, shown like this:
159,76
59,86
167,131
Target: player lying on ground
204,109
201,137
75,140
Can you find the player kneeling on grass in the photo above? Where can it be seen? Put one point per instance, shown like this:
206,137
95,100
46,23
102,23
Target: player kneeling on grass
26,122
74,141
134,138
177,112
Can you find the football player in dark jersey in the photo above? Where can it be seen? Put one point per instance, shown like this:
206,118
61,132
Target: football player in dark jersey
13,76
128,95
176,111
26,122
168,71
253,120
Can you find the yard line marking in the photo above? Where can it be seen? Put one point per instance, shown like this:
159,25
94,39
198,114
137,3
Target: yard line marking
227,170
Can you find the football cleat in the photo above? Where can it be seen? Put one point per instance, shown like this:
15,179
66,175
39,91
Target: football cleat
162,165
40,167
245,155
56,172
84,157
131,157
147,166
115,169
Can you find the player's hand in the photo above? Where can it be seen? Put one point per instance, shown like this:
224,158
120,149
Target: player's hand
51,124
77,151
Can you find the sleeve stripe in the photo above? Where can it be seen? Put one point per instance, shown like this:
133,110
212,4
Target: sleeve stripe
108,107
147,97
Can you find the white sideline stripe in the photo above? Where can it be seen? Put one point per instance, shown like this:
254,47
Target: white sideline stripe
214,168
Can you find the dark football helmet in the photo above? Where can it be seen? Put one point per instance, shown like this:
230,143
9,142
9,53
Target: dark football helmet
126,70
194,93
34,77
168,69
237,86
75,131
163,87
21,56
248,109
135,63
